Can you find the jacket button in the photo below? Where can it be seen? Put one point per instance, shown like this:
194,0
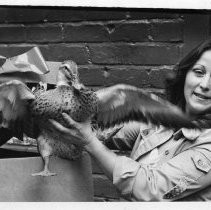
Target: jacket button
200,162
166,152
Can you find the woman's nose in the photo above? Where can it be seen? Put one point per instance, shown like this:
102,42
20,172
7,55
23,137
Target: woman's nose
205,83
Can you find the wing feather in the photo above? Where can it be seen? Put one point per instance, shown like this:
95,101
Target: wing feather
13,106
121,103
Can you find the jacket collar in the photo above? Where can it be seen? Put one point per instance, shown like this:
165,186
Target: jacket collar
151,138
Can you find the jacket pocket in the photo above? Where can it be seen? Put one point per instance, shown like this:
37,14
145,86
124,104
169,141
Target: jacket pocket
201,162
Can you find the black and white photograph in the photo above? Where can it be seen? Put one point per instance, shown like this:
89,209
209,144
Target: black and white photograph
105,103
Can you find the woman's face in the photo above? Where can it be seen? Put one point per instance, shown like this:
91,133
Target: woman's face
197,88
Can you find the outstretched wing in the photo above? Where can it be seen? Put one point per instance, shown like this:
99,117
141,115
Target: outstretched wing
13,103
121,103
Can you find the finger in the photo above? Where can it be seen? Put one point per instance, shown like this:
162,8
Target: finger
58,126
70,122
65,133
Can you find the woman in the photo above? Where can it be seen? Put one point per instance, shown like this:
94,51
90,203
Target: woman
164,165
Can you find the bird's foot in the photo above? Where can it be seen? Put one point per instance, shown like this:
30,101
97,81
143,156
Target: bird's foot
44,173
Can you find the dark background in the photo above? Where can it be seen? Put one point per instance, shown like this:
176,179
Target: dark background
136,46
133,46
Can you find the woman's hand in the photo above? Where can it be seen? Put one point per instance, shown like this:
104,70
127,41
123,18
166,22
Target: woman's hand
77,133
81,134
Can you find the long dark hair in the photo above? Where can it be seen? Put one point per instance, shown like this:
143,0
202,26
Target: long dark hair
175,82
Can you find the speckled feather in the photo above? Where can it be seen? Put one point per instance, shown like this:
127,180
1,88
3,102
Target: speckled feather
51,144
50,104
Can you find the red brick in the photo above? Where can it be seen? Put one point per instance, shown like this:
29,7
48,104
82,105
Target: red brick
92,76
61,52
57,52
12,33
157,77
131,32
3,15
13,50
196,29
136,76
167,31
139,76
44,33
66,14
134,54
85,33
153,14
131,75
22,14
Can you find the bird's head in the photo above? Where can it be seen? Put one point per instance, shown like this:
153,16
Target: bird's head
68,74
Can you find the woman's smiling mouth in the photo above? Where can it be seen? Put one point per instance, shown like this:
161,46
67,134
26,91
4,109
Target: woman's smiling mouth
200,96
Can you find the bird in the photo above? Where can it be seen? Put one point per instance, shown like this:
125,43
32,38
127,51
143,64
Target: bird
106,107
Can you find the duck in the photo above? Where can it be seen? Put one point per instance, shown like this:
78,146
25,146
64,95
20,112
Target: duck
106,107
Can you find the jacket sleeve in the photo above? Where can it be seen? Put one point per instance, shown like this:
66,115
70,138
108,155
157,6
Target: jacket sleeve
184,174
125,138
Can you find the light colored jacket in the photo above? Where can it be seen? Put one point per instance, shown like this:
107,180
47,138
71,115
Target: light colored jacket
164,165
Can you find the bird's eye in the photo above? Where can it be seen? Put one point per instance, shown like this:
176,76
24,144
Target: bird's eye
65,67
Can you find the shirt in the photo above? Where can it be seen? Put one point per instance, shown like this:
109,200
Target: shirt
164,165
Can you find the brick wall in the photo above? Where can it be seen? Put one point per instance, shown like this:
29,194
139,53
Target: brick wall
136,47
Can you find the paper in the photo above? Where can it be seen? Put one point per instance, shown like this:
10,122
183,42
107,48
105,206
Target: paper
31,61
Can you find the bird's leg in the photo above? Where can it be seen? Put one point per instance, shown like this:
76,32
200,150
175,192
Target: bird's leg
45,150
45,171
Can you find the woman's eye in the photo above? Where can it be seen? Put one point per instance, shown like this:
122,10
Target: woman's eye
199,72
